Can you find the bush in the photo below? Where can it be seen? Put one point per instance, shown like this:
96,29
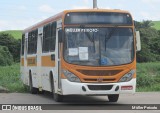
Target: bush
144,80
12,44
5,56
148,76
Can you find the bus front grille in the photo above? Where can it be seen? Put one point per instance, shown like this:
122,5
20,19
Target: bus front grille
99,80
100,72
100,87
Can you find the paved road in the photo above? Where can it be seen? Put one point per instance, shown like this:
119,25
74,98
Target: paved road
25,98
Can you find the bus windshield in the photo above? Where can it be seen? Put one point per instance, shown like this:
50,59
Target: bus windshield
99,46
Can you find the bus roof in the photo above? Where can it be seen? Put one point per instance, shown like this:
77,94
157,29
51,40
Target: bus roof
62,14
96,10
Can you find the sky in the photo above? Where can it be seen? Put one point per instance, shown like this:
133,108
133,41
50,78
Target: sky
20,14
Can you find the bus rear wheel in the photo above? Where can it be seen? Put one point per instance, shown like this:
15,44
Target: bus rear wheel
113,98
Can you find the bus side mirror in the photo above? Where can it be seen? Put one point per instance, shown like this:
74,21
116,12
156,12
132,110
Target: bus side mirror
60,36
138,41
135,23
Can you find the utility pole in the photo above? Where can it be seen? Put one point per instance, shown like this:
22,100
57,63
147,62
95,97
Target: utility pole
95,4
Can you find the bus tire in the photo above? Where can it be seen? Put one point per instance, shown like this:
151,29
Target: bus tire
56,97
41,92
113,98
32,90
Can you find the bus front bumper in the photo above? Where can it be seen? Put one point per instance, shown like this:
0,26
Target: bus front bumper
73,88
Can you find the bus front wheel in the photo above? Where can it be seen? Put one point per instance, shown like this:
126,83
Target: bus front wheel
113,98
57,97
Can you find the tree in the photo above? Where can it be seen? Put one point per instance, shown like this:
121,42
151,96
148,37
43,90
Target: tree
150,39
12,44
144,24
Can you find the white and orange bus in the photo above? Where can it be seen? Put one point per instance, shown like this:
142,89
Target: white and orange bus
81,52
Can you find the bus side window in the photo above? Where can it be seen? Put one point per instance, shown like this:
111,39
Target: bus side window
53,36
35,41
29,43
46,36
22,44
49,37
32,42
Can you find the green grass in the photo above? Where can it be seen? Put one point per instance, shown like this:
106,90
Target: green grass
10,78
148,76
17,34
156,24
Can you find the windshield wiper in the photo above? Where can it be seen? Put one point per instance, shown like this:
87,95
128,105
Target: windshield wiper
89,36
82,26
107,37
92,39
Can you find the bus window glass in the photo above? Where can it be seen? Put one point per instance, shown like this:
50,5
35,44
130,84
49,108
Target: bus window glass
22,44
53,36
46,36
99,46
49,37
32,42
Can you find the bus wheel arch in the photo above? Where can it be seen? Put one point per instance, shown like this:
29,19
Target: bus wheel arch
57,97
51,81
32,89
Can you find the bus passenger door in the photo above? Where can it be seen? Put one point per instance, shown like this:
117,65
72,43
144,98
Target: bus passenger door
57,74
39,54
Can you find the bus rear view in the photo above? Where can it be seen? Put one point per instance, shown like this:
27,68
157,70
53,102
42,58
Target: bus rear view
99,53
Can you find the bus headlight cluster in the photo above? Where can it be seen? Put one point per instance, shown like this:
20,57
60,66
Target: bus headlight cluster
70,76
127,77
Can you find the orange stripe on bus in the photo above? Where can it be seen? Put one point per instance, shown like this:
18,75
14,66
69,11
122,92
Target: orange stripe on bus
31,61
47,62
22,61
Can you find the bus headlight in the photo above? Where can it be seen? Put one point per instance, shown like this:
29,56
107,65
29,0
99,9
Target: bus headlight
70,76
127,77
